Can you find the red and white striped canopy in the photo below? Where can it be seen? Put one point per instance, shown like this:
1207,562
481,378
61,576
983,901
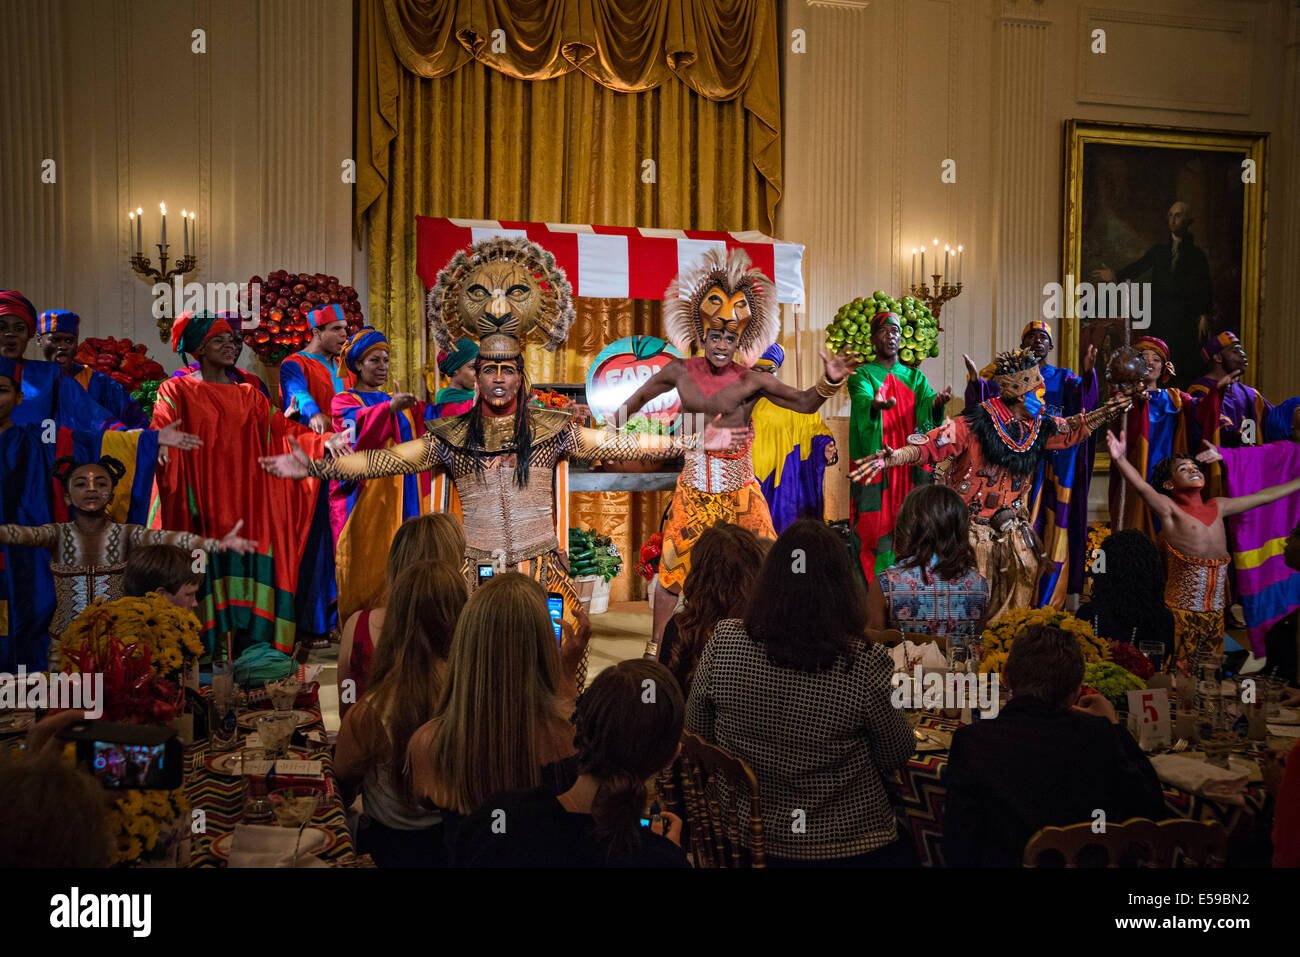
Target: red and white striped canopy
612,262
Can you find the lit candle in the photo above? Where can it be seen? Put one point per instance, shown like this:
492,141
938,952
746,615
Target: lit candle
130,238
163,208
913,266
960,260
923,264
139,236
194,234
936,254
185,231
945,262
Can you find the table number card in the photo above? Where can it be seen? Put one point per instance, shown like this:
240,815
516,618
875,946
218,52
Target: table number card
1148,712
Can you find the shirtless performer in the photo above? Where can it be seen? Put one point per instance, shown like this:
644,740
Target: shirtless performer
720,307
1196,542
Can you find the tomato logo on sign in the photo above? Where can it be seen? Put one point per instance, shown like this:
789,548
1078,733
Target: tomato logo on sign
621,368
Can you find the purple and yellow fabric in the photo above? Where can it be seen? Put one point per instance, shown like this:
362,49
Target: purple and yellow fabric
1269,590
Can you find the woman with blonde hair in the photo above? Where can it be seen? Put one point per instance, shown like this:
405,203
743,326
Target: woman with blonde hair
506,701
437,537
406,683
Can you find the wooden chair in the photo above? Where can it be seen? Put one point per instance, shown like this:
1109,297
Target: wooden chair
712,831
1139,841
889,637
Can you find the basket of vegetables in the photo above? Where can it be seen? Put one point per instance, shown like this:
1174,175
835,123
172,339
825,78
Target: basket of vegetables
594,557
850,332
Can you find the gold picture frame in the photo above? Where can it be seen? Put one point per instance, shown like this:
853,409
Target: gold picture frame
1098,224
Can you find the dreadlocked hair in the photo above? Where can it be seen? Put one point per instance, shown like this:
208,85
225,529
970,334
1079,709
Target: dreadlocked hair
624,737
1164,471
1131,590
523,444
65,465
724,566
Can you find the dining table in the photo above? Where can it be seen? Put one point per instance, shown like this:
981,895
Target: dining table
921,790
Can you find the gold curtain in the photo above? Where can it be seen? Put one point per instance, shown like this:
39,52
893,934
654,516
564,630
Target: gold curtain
556,127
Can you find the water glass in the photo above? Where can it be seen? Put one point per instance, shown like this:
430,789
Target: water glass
284,693
254,768
295,806
276,729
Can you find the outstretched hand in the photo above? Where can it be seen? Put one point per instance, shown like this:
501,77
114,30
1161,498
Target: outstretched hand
338,444
171,436
1089,359
883,401
1228,379
231,542
292,464
837,366
972,370
1210,454
942,399
865,470
721,438
1117,444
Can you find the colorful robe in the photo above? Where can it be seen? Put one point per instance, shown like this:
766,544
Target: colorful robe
27,598
1238,403
875,505
1157,428
50,395
1269,590
451,401
112,397
365,514
236,375
208,490
312,382
1058,502
789,455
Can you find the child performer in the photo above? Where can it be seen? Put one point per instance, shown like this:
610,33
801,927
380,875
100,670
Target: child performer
89,553
1195,540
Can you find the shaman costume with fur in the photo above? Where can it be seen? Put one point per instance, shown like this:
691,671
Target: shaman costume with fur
995,456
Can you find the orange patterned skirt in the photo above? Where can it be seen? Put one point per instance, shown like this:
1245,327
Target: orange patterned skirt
692,511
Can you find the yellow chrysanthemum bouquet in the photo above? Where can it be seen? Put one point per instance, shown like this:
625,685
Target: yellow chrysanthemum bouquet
999,636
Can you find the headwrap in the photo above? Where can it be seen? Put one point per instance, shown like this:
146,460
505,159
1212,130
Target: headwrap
1017,373
1160,348
1216,345
880,318
14,303
9,370
234,320
773,358
361,345
1277,424
325,315
191,329
57,320
463,351
1038,324
685,322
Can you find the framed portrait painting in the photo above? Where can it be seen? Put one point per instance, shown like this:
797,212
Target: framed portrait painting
1164,237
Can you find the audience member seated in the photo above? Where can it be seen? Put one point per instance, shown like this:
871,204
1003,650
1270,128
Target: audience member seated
1051,758
406,681
724,563
437,537
503,716
166,569
794,690
623,740
1128,592
934,587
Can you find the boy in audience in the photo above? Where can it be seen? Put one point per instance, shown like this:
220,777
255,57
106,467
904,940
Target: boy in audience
1051,758
1196,542
166,569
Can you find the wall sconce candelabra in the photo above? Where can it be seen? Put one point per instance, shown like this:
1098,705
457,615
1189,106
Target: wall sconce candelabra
936,294
143,266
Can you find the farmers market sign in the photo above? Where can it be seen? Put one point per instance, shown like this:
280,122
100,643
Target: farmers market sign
621,368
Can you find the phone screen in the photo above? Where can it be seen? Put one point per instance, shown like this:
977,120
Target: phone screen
119,765
484,573
555,604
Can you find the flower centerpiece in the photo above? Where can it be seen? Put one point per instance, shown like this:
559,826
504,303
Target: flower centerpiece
1130,659
144,648
1098,532
1112,681
998,637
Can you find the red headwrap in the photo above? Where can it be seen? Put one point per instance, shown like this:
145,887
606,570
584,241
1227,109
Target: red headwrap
1160,348
14,303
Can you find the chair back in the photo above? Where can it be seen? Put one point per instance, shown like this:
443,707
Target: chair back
1139,841
714,830
889,637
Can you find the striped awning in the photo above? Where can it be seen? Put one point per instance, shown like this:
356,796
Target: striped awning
612,262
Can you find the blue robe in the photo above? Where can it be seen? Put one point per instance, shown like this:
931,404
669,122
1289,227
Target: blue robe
50,395
112,397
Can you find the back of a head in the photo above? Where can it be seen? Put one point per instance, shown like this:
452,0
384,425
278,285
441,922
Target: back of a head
628,726
1045,663
51,815
153,567
1133,575
501,690
808,606
439,537
725,562
934,526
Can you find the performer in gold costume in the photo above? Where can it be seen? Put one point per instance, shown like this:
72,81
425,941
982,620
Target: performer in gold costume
502,453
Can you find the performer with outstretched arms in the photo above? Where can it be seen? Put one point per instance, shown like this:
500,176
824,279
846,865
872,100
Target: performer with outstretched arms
722,306
503,452
996,447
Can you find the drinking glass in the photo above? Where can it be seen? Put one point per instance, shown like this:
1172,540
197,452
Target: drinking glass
254,768
295,806
276,729
284,693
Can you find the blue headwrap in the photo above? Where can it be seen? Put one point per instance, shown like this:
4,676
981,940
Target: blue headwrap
773,356
359,345
1277,424
57,320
